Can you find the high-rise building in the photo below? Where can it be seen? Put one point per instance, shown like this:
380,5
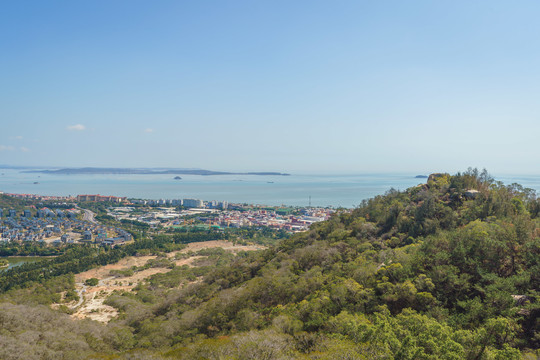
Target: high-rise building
193,203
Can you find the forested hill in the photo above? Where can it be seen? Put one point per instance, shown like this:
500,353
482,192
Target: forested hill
446,270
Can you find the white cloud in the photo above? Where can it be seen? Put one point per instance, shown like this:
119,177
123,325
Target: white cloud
18,137
24,149
6,147
148,130
77,127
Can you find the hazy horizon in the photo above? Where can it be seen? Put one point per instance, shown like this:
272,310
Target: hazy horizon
411,173
296,87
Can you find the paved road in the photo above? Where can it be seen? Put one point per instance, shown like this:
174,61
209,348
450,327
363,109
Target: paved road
89,216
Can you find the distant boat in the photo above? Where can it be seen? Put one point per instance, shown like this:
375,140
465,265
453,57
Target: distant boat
177,178
35,183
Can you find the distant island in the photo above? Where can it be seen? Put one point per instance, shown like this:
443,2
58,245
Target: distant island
421,176
177,178
142,171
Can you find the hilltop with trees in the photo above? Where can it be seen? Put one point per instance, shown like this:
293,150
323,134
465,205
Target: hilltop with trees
449,269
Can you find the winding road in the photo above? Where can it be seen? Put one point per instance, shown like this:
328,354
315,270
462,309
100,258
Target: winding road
89,216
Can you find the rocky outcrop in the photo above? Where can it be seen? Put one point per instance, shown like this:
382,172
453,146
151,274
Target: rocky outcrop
471,194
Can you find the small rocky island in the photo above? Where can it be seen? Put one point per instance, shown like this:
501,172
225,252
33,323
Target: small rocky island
177,178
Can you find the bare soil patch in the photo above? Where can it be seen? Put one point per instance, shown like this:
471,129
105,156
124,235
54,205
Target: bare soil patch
103,271
226,245
92,305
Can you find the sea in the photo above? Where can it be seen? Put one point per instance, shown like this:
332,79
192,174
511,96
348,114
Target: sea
346,191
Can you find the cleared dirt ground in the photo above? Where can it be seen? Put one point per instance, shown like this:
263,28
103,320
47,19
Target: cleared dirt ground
92,297
226,245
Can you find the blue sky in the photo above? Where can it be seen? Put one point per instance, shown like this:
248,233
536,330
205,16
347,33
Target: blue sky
296,86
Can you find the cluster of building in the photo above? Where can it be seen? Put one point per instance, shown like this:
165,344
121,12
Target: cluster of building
94,198
40,213
40,197
187,203
278,218
56,227
101,198
237,216
105,235
174,212
45,225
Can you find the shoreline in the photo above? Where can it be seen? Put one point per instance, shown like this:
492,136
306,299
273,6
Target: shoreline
346,191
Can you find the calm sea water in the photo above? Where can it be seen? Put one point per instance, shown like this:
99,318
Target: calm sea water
294,190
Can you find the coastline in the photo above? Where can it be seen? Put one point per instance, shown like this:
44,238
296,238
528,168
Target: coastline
345,191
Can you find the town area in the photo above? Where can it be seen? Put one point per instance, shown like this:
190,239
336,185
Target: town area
185,213
57,227
74,224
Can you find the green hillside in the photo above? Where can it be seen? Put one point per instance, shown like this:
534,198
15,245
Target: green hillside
445,270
